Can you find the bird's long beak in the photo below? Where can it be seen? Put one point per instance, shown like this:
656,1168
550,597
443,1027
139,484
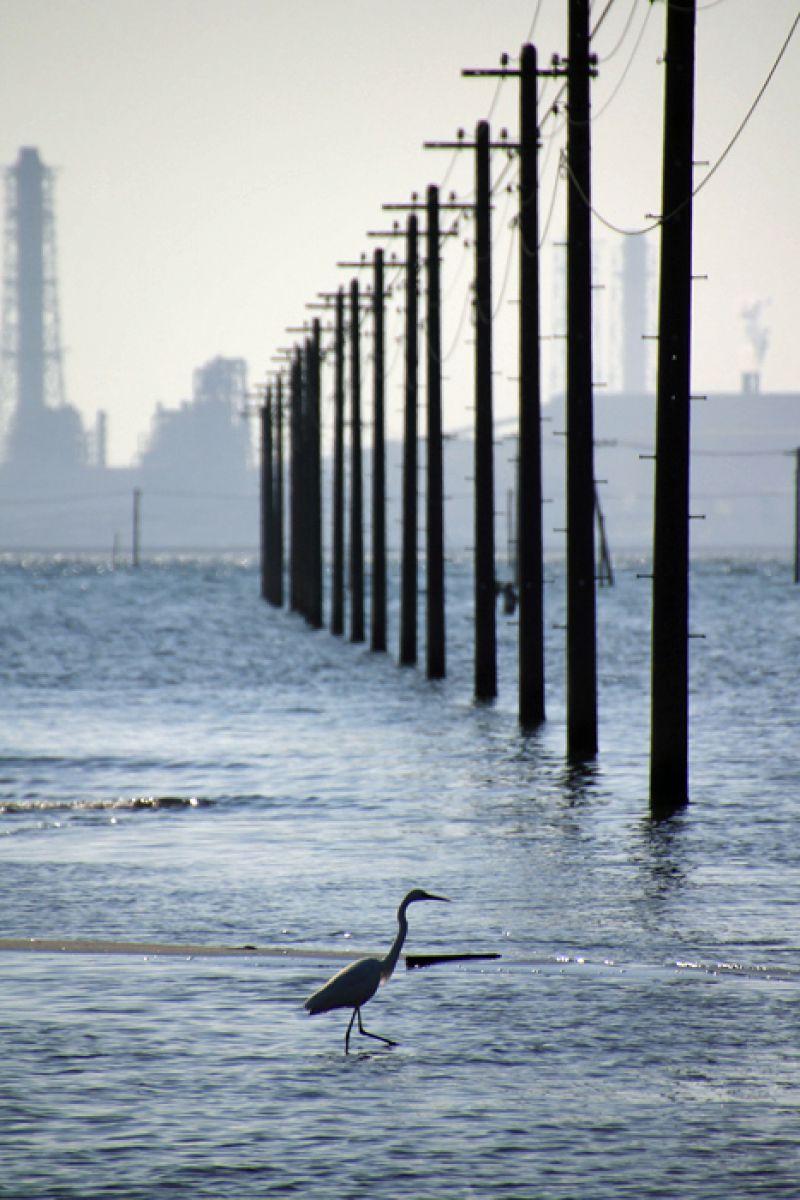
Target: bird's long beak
446,899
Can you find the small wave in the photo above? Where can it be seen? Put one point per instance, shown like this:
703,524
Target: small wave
121,803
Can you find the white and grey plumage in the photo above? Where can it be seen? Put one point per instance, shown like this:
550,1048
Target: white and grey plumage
358,982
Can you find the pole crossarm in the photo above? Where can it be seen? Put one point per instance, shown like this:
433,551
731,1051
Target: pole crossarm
417,206
591,68
461,144
510,72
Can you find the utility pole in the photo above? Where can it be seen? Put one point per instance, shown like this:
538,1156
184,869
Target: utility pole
378,610
267,498
797,515
581,617
137,527
529,490
529,472
436,655
314,454
485,600
296,484
356,477
277,508
337,564
408,567
434,522
670,632
485,665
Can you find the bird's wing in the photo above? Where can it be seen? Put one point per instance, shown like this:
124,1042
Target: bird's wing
351,987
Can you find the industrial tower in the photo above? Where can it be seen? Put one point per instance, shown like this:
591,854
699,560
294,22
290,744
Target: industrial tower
42,434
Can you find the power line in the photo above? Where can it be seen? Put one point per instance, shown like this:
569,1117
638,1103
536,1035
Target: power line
624,34
609,101
602,18
507,272
657,221
537,10
752,107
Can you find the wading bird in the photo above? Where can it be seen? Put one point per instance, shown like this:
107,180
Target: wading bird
357,983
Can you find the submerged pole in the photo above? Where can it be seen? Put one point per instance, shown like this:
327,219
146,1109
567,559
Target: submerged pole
797,515
408,565
436,654
267,498
670,632
337,540
378,610
277,508
485,617
296,485
581,617
356,477
137,527
314,482
529,491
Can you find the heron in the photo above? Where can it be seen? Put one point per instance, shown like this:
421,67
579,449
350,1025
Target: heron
358,982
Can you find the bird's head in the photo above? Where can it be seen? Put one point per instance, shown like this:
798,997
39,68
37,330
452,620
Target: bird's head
419,894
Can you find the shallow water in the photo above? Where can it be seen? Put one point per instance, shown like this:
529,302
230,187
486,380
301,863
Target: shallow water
180,763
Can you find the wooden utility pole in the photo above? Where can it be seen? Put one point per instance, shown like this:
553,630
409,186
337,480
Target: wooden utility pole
296,523
408,566
337,533
137,527
378,610
485,601
277,508
670,659
356,476
581,617
797,515
485,597
267,501
436,654
529,549
529,490
314,479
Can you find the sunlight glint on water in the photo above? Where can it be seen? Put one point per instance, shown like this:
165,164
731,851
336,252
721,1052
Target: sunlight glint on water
180,763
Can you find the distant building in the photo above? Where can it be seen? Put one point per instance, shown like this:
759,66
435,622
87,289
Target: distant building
44,436
205,439
198,485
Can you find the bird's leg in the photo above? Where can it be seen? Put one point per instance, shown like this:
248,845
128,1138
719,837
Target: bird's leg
367,1033
349,1027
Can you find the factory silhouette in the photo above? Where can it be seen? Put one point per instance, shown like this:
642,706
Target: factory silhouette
195,476
198,481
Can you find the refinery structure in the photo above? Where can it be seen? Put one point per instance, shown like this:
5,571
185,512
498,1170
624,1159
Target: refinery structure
195,476
43,434
195,485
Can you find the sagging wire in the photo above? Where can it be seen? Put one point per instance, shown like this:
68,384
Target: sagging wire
537,10
657,221
512,242
751,109
607,57
599,112
456,341
554,196
602,18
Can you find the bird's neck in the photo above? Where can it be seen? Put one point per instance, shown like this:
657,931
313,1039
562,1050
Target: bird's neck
390,961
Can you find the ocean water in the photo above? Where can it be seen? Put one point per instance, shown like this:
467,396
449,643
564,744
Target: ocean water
180,763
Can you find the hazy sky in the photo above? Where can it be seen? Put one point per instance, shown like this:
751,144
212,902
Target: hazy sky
217,157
